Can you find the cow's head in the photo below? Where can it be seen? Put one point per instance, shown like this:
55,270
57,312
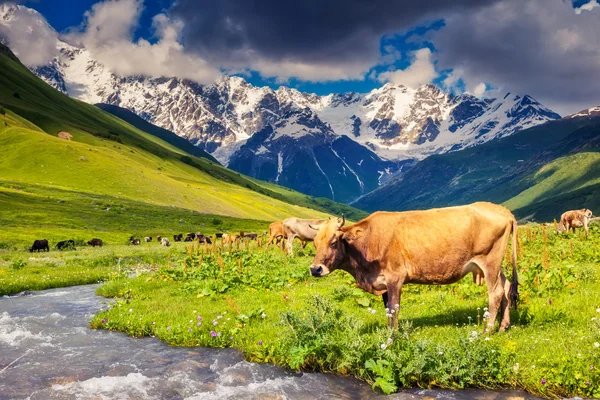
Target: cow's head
587,213
330,247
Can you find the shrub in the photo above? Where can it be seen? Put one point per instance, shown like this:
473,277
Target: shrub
18,265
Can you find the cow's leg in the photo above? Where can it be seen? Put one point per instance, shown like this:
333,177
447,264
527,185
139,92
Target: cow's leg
304,243
289,244
384,297
495,283
394,291
505,304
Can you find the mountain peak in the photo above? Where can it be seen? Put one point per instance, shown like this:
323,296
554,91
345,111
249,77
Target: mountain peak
589,112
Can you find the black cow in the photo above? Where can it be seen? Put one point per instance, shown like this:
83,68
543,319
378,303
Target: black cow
148,239
159,238
219,235
66,244
189,237
177,238
40,245
251,236
95,242
203,239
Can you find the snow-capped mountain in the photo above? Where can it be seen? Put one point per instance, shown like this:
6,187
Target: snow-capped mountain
339,146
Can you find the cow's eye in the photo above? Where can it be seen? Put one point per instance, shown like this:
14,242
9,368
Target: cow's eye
333,243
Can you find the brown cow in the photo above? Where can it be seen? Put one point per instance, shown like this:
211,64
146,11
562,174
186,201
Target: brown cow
432,247
275,233
230,238
575,219
303,229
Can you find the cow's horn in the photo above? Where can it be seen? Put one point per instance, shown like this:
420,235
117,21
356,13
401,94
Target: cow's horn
312,227
341,223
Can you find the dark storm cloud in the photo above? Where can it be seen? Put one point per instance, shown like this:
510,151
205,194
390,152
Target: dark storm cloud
541,47
313,32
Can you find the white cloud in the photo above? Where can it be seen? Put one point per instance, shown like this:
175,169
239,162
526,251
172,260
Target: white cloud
478,90
587,7
107,33
28,34
420,72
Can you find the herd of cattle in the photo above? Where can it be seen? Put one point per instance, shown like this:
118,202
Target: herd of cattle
389,249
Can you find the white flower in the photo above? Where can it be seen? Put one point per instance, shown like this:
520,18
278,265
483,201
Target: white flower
387,310
191,322
493,351
219,317
598,310
194,311
396,306
440,353
596,344
383,346
369,309
487,338
263,315
389,341
486,314
473,334
388,315
130,310
594,318
393,311
516,367
373,311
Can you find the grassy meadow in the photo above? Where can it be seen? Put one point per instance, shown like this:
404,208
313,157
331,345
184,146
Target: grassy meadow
267,305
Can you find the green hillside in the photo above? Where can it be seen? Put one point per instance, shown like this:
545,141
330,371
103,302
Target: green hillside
109,157
532,172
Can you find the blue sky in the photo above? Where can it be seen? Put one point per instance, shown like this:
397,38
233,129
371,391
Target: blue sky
548,49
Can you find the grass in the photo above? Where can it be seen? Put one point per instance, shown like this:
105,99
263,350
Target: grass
268,306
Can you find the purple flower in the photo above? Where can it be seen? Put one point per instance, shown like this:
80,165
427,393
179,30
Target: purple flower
587,383
199,323
260,342
213,333
104,321
153,323
543,381
168,328
199,318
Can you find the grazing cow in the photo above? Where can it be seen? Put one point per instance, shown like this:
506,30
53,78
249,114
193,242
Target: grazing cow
95,242
66,244
433,247
203,238
189,237
275,233
575,219
148,239
159,238
135,242
227,238
219,235
38,245
303,229
250,236
177,238
165,242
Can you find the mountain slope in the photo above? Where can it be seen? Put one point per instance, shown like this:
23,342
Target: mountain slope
109,156
161,133
533,166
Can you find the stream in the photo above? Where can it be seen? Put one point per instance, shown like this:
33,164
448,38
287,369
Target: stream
47,351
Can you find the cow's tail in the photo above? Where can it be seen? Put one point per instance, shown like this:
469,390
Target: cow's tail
514,286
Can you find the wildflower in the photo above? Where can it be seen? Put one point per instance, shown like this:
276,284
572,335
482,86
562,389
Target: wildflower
550,301
195,311
397,306
487,338
593,318
168,328
393,311
486,315
130,310
493,351
543,381
469,318
587,383
224,312
191,321
215,323
383,346
440,353
104,320
373,312
485,308
260,342
388,315
199,318
473,334
598,310
219,317
218,333
596,344
153,323
228,319
263,315
230,337
516,367
189,329
389,341
369,309
199,323
213,333
387,310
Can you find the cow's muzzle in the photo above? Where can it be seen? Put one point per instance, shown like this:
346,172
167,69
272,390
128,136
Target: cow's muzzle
317,270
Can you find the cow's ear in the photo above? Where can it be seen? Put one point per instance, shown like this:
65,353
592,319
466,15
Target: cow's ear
352,235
